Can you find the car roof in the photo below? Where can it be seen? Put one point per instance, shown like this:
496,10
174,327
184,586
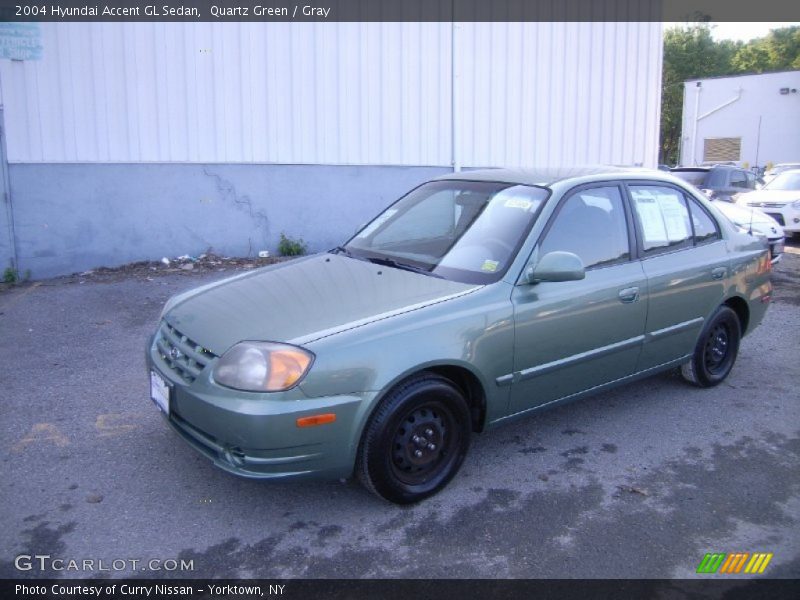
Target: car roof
548,176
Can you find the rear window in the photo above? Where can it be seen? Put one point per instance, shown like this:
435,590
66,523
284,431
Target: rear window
717,178
695,177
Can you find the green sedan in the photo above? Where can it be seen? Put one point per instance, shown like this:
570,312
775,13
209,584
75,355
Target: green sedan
476,299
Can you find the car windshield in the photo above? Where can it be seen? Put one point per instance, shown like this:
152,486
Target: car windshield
781,168
788,180
466,231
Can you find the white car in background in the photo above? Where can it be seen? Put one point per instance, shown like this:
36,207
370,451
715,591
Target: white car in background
778,169
780,199
757,223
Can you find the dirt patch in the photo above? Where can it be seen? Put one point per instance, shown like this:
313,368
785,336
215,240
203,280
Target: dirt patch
150,269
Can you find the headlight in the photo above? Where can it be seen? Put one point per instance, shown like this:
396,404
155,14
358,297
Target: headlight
796,204
262,366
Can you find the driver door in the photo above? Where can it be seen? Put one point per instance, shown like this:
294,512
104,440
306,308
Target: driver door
575,335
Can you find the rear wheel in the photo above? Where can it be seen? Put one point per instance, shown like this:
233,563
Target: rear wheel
416,441
716,350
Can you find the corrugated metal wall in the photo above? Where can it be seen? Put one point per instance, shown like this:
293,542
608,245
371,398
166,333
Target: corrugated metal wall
338,93
558,93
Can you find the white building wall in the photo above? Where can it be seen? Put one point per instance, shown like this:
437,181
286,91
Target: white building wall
558,93
750,107
338,93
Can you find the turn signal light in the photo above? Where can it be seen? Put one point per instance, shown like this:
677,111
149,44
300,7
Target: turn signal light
315,420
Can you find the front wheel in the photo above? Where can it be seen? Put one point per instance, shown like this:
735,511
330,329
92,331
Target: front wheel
716,350
416,441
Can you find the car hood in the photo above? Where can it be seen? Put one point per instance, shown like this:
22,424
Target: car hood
745,216
776,196
303,300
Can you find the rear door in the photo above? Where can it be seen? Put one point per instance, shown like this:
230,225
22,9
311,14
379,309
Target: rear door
686,263
575,335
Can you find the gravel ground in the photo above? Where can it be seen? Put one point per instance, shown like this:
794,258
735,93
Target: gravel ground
637,482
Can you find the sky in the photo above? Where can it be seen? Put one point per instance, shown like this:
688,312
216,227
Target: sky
738,31
744,31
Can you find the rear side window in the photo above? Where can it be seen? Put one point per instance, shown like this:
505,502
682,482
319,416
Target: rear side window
663,218
705,228
591,223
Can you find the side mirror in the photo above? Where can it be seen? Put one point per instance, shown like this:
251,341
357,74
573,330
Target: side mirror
556,266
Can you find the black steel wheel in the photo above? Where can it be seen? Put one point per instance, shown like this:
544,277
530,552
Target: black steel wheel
416,440
716,349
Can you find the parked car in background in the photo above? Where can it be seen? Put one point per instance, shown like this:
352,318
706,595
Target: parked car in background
776,170
756,222
718,182
474,300
780,199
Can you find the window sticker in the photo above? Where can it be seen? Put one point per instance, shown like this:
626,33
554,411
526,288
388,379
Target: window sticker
674,213
663,216
370,229
518,203
653,227
517,197
490,266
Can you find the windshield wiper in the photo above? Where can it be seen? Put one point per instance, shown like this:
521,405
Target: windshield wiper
341,250
390,262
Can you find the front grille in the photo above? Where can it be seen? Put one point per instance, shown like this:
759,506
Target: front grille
185,357
758,204
777,216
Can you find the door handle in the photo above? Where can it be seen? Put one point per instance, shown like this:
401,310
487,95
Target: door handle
629,295
718,273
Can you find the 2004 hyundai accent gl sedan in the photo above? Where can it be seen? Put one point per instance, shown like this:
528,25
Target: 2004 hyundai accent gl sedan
475,299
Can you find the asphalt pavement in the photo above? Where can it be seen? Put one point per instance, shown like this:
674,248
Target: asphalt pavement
641,481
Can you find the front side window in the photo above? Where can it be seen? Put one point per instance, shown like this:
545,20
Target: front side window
591,223
467,231
663,217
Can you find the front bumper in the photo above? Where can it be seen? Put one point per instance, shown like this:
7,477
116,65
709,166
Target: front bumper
256,435
776,249
786,215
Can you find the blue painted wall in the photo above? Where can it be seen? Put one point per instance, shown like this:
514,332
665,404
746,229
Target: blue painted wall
74,217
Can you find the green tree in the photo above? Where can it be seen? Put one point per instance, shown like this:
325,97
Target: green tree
779,50
689,52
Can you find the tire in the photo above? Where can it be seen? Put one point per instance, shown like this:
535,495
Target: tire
416,440
716,349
